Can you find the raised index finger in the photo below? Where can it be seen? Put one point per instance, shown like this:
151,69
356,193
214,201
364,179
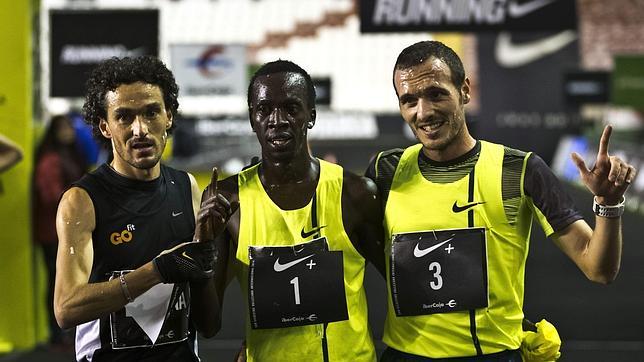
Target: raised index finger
603,142
212,189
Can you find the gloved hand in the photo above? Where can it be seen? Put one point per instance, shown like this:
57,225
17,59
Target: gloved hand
191,261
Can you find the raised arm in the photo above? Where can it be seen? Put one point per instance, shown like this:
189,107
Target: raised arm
598,252
212,211
75,300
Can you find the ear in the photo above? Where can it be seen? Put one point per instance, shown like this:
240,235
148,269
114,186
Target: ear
105,129
465,91
168,124
312,121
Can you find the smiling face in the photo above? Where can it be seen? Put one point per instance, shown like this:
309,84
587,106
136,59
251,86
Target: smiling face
280,115
434,108
137,121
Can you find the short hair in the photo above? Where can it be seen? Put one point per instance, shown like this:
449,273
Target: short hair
418,53
283,66
112,73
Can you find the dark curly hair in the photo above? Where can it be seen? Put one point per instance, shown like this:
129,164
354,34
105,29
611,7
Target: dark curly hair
112,73
283,66
418,53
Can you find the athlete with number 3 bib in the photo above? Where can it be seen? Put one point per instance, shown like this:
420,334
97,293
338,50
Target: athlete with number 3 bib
457,218
302,233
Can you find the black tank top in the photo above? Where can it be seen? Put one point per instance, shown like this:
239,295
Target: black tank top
135,221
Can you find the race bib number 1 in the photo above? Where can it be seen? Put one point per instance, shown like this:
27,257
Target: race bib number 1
296,285
438,271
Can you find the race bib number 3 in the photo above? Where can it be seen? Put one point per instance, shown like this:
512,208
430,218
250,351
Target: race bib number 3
296,286
438,271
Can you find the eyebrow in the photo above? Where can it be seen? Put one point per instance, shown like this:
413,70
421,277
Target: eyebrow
125,109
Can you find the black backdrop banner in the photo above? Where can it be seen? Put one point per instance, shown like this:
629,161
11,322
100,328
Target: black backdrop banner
522,95
466,15
82,39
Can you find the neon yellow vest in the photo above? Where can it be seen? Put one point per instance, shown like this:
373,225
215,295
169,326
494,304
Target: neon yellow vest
263,223
416,204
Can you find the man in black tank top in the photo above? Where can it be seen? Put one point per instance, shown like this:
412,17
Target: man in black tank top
134,273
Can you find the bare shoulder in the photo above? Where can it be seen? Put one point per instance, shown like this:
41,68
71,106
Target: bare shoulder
75,214
359,189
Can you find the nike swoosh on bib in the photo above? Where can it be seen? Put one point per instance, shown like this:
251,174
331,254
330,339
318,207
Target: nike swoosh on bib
512,55
517,10
456,208
420,253
306,234
281,267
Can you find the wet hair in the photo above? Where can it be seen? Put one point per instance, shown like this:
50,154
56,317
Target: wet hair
112,73
283,66
418,53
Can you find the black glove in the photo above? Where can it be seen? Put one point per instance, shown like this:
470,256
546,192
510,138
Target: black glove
193,261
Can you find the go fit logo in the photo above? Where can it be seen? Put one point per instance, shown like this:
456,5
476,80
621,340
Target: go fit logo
123,236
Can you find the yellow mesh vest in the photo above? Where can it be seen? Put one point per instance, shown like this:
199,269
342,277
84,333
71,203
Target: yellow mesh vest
416,204
263,223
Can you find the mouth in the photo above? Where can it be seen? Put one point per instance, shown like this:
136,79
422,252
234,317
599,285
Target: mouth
431,129
143,146
280,140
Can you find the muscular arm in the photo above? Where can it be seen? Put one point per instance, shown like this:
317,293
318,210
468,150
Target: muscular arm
362,218
75,300
206,307
597,252
10,153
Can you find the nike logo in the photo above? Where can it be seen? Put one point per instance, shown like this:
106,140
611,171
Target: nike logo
175,214
511,55
306,234
281,267
518,10
456,208
419,253
187,256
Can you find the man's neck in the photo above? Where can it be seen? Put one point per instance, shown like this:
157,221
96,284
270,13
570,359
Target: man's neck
126,170
454,150
296,171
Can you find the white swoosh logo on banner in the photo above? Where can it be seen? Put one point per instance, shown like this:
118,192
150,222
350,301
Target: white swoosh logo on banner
281,267
518,10
511,55
420,253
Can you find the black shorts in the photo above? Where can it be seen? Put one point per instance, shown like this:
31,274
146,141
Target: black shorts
394,355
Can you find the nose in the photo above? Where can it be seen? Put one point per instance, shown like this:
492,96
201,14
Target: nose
139,127
276,118
424,110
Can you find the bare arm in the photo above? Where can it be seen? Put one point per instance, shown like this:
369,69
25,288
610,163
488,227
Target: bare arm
206,306
77,301
598,252
362,216
10,153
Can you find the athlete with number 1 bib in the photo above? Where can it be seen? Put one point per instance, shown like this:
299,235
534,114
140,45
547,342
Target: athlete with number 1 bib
302,234
457,217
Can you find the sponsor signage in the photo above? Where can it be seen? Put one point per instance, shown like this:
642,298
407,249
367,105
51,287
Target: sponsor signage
628,81
82,39
466,15
586,87
209,69
522,101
